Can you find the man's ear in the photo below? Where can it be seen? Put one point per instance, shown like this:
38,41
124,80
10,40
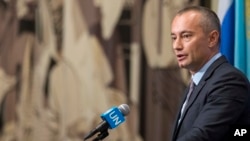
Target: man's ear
213,38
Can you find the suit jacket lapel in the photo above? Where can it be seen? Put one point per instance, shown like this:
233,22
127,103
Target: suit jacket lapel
193,96
176,126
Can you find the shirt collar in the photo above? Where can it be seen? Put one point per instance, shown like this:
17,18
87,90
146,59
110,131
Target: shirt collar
198,75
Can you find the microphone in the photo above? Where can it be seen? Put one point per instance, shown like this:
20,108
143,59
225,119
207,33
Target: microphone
111,119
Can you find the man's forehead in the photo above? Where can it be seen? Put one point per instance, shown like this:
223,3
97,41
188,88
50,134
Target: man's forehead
185,24
186,20
189,15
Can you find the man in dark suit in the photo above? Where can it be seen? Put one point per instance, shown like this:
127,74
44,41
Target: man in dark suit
220,96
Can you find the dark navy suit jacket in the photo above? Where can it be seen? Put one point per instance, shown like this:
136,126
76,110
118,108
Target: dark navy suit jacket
219,101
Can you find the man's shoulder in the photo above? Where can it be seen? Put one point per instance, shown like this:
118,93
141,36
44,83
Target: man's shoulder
222,70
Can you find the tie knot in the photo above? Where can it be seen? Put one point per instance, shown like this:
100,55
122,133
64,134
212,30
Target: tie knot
192,84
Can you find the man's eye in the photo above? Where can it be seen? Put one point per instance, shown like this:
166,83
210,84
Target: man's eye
173,38
186,37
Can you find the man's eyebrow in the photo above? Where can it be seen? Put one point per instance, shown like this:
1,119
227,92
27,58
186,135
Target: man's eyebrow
172,34
182,32
187,31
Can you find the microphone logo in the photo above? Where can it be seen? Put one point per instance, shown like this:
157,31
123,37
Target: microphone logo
114,117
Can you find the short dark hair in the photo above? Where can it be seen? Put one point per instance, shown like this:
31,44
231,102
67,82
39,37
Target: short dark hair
209,19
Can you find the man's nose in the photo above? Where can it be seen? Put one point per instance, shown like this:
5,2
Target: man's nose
177,44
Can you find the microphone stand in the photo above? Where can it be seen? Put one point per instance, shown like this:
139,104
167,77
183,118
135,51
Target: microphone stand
102,135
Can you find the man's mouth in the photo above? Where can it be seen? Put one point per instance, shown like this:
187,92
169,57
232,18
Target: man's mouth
181,57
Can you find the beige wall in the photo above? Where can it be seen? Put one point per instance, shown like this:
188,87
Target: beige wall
214,5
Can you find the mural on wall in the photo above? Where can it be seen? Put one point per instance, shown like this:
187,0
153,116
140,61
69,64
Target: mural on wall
63,63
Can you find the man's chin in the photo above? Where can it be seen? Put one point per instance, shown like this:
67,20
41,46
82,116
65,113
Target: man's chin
181,65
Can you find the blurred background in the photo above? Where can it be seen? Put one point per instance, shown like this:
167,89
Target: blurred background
64,62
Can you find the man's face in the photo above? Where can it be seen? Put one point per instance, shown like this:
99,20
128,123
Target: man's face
189,41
